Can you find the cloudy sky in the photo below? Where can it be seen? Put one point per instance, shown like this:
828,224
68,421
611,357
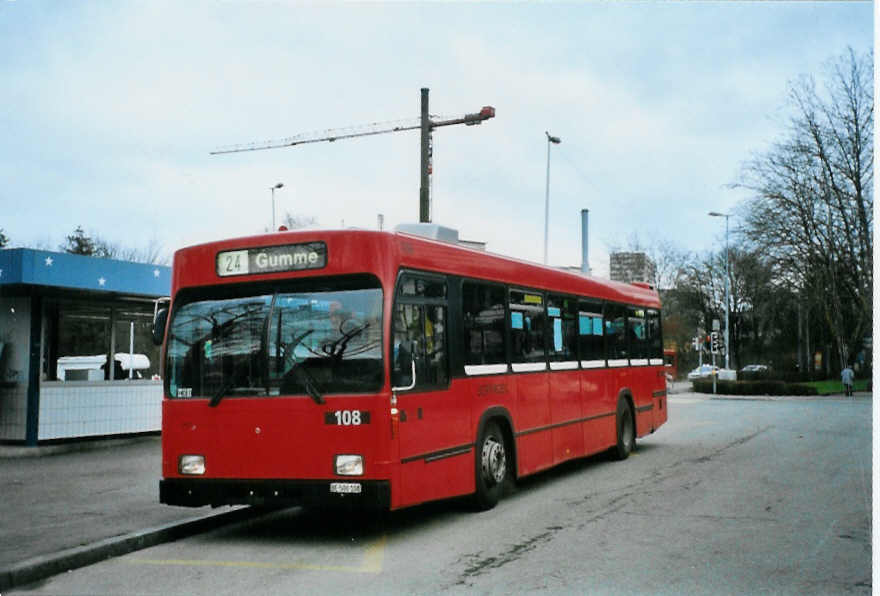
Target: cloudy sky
110,109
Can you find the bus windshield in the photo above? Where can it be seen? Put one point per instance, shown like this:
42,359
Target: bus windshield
314,339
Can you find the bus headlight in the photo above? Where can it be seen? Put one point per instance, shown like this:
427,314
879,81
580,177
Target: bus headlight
191,465
349,465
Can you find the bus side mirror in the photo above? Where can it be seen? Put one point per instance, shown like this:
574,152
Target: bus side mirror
159,321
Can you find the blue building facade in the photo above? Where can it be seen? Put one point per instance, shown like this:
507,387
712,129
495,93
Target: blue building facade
76,356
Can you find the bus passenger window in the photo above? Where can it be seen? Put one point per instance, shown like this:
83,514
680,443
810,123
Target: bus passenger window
562,314
635,330
655,336
590,333
615,332
527,326
484,328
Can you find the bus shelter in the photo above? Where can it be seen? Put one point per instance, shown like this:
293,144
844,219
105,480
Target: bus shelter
76,356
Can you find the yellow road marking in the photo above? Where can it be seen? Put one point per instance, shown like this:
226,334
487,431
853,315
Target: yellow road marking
373,559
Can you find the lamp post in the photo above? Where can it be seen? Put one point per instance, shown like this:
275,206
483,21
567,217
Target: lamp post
726,217
279,185
550,140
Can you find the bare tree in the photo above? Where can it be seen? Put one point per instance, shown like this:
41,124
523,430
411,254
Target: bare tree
295,222
670,261
812,209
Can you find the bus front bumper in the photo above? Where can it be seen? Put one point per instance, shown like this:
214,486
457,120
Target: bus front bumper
196,492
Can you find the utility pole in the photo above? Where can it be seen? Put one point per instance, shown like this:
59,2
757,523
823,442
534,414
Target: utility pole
424,195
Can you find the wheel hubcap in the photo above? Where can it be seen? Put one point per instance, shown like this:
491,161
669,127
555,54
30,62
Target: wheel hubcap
494,460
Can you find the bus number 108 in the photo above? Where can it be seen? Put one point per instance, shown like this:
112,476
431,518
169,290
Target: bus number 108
347,417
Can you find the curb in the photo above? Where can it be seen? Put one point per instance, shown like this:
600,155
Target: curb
14,451
44,566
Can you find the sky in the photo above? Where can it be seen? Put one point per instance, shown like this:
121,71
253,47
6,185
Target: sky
110,110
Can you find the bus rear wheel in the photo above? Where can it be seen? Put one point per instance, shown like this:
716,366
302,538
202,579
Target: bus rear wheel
492,467
626,430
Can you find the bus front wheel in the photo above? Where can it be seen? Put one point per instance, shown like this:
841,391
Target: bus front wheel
492,467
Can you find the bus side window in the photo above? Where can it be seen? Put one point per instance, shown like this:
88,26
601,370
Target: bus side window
591,332
635,330
655,335
484,328
615,332
528,321
562,314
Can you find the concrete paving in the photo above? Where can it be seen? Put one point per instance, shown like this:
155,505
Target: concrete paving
65,506
70,505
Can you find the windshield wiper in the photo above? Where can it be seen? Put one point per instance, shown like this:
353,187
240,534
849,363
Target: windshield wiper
221,393
308,382
337,348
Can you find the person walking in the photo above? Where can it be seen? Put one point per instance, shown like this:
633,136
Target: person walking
846,375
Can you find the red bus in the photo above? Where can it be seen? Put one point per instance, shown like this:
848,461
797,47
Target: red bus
388,369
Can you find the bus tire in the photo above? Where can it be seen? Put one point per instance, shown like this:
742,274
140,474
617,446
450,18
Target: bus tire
626,430
492,467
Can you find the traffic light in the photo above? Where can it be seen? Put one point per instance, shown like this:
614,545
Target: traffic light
714,343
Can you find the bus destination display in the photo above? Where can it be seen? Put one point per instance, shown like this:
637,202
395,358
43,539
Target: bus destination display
272,259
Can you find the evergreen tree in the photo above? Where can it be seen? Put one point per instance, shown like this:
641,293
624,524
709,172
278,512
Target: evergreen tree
79,244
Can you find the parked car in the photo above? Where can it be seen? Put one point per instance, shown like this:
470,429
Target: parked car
702,372
756,368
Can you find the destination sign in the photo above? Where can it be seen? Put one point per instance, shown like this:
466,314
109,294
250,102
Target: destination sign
272,259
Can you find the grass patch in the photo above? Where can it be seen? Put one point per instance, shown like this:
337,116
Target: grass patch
835,387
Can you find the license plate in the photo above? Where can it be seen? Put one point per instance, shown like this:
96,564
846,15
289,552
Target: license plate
345,488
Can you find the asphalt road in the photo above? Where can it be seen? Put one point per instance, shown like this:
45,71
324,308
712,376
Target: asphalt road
729,497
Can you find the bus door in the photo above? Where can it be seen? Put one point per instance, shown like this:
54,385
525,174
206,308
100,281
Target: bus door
435,446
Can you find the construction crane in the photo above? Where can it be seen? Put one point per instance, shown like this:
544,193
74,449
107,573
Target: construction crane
424,123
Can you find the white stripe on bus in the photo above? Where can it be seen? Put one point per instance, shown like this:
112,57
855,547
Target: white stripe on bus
572,365
485,369
529,366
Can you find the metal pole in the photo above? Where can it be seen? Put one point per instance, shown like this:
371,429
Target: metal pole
130,351
557,140
279,185
727,345
547,202
424,214
714,375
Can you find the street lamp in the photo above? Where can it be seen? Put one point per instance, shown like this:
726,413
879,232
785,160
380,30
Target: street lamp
550,140
726,217
279,185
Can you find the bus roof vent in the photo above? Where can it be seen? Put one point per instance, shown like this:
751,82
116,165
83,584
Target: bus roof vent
429,230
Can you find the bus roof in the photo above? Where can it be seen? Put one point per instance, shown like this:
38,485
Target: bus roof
382,253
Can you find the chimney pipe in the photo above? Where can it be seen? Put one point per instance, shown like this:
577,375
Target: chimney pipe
585,245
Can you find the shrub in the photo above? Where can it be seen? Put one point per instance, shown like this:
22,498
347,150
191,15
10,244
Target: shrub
762,387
